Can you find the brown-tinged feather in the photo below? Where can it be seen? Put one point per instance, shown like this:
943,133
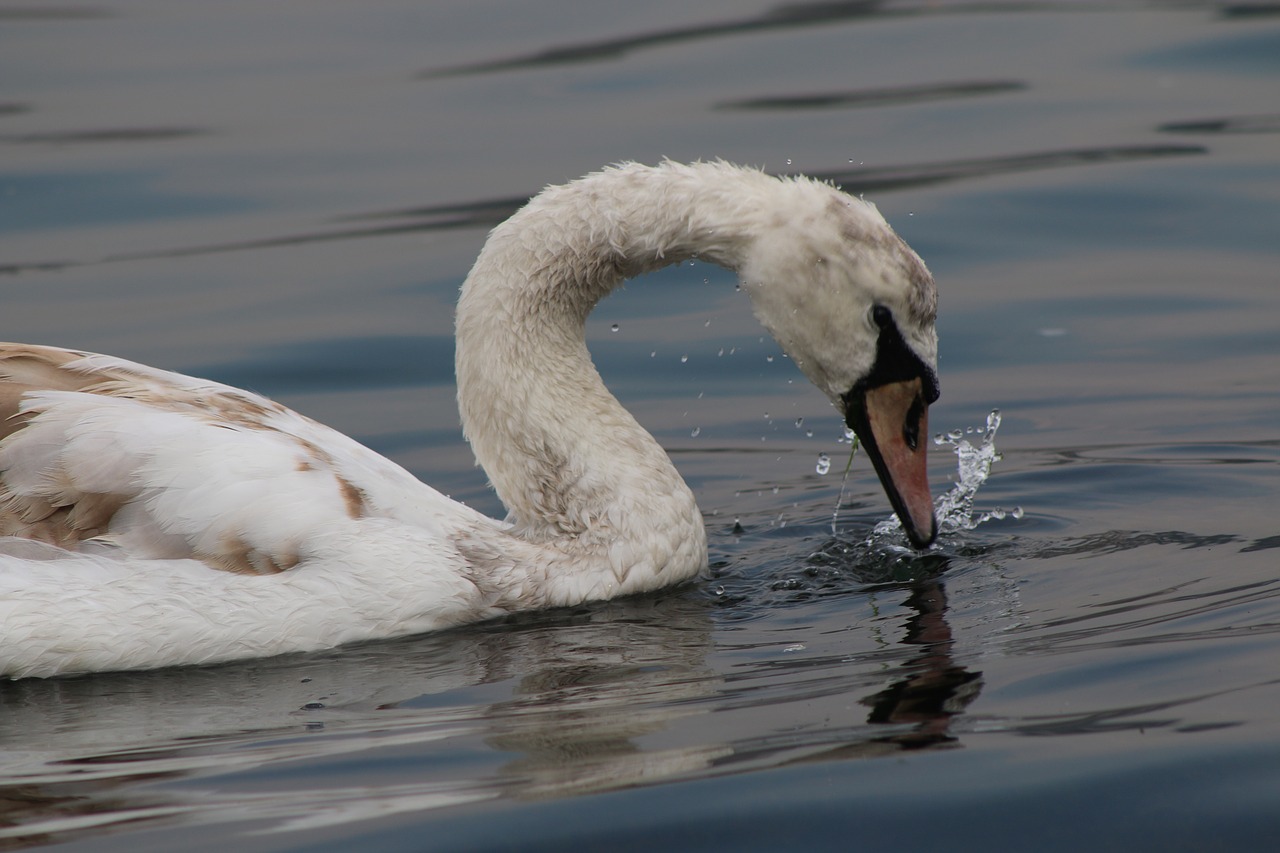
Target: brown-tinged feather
352,497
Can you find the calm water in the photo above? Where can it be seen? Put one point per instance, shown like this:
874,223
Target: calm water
286,195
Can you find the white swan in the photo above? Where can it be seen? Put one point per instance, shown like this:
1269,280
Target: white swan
151,519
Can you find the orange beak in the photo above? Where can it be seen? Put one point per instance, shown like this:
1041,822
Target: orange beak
892,422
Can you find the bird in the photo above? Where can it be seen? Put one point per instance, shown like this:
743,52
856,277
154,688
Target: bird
152,519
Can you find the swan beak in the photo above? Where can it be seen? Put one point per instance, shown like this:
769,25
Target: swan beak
892,422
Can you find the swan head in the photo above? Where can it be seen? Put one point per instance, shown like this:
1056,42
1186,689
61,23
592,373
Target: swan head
854,307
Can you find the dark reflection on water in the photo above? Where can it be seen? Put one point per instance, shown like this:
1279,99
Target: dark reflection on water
789,15
1233,124
937,689
1133,718
108,135
1264,544
888,96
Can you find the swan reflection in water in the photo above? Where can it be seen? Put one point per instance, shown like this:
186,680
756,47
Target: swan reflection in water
599,698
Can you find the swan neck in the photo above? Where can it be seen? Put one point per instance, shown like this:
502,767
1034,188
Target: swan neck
572,466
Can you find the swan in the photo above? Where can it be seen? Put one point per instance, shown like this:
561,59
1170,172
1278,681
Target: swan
150,519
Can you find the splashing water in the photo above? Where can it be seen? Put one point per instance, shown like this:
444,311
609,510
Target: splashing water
954,509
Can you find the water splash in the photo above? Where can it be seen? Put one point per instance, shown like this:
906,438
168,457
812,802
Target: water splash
954,509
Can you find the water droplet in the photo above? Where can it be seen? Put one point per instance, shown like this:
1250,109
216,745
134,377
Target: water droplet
653,353
799,422
614,327
706,324
808,433
684,359
769,359
849,434
788,161
824,464
794,647
695,432
775,490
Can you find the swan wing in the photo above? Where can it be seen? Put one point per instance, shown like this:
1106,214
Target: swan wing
102,452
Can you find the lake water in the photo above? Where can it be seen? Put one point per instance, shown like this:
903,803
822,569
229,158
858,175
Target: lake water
287,195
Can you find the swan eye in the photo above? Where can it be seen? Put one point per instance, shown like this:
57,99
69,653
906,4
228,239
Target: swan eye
911,429
882,316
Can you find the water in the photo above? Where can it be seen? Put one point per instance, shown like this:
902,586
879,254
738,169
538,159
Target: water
286,196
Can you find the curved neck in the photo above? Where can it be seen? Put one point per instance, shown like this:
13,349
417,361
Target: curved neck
575,470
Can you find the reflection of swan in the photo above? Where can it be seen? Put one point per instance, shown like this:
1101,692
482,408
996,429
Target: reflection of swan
185,521
90,752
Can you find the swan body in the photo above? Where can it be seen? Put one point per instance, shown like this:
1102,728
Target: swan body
150,519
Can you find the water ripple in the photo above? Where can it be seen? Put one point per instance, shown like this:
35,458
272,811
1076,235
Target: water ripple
886,96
